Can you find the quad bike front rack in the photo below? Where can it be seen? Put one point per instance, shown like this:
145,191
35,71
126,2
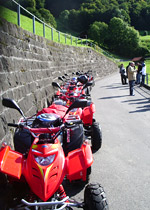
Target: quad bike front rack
65,202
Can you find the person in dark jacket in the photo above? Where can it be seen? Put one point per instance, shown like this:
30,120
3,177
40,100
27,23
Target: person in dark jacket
123,74
138,76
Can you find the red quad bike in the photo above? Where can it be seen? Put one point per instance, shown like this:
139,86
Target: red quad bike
34,179
91,127
77,83
89,77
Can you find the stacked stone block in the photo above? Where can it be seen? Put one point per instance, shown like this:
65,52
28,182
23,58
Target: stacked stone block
29,64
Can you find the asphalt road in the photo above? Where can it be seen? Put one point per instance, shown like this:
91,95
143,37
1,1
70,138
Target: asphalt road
122,165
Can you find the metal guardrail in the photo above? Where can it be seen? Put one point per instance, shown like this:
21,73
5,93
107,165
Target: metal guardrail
67,37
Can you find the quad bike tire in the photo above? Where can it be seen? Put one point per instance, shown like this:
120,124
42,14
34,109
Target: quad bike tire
3,191
95,198
96,136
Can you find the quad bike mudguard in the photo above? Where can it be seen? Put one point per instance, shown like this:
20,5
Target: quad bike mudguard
11,162
87,114
56,109
78,161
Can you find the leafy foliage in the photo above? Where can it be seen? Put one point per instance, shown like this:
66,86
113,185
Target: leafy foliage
118,37
135,12
99,32
110,23
47,17
57,6
40,4
122,38
34,12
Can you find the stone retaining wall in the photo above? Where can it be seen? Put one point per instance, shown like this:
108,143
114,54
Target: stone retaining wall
29,64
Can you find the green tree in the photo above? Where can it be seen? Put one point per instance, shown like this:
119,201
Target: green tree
64,17
57,6
99,32
145,14
121,13
34,12
31,3
123,39
74,21
138,13
40,4
47,17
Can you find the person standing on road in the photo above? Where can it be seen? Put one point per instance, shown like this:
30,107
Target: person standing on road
143,74
123,74
131,77
138,76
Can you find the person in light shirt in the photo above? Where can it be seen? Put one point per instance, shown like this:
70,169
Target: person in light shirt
143,74
131,77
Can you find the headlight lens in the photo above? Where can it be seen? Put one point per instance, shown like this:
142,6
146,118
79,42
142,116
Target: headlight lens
44,161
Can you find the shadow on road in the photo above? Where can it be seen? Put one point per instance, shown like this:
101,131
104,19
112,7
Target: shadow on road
73,189
110,97
147,108
145,105
142,97
113,86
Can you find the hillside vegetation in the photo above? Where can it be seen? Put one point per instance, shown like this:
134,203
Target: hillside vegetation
112,24
27,24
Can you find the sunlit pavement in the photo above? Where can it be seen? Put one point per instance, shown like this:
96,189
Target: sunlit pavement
122,165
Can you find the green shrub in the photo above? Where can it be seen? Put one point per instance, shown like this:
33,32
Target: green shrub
145,33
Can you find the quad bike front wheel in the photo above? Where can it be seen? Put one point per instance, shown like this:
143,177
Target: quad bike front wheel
95,198
96,136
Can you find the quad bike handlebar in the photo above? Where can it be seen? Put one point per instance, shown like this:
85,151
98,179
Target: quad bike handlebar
47,130
55,131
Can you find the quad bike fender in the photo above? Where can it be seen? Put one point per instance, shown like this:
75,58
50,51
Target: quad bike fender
11,162
78,161
60,110
87,114
77,112
58,93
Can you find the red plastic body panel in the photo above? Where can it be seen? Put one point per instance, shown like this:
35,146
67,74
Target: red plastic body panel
45,130
56,109
11,162
60,111
44,181
58,93
87,114
78,161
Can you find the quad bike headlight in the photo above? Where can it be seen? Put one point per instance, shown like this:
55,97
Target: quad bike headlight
44,161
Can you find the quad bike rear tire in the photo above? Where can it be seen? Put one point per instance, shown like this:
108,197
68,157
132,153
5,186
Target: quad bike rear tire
96,136
95,198
3,191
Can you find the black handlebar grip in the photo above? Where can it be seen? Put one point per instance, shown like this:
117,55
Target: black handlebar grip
13,125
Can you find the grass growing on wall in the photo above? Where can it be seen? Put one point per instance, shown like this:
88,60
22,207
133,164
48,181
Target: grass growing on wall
27,24
9,16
